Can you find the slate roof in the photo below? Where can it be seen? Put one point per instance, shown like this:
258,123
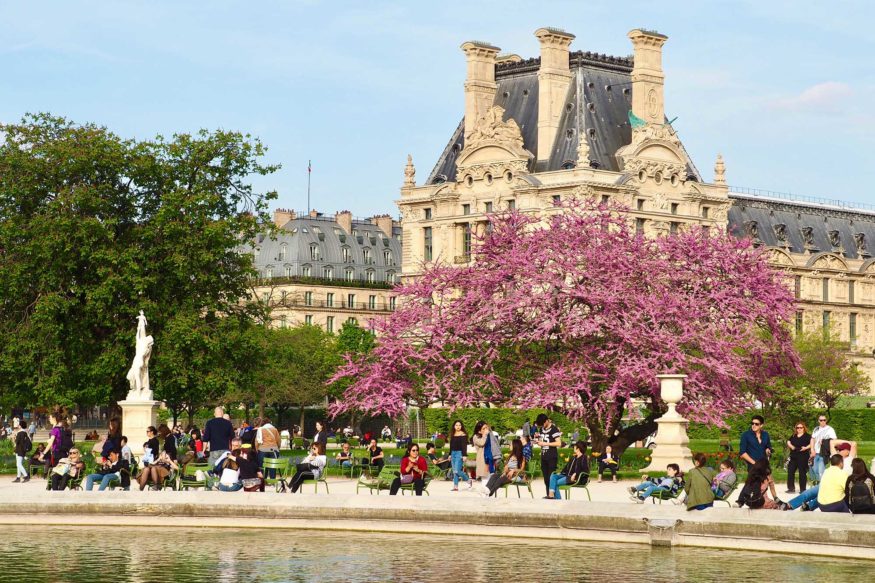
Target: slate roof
796,216
299,234
599,96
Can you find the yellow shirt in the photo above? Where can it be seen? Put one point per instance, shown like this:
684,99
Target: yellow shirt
832,485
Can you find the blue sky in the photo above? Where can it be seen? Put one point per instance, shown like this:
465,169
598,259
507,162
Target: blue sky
785,90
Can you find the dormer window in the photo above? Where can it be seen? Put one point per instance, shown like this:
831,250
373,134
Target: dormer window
283,252
387,258
368,255
370,276
346,254
328,272
350,274
315,254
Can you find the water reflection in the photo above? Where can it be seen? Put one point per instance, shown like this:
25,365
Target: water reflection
93,555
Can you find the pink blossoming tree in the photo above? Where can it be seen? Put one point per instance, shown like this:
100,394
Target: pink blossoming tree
579,313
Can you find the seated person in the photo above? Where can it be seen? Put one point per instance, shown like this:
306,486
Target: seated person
608,462
114,468
239,470
833,486
404,441
725,480
527,447
442,463
344,458
66,469
576,468
414,470
310,468
38,458
807,500
375,457
671,483
127,454
758,486
860,490
157,471
515,464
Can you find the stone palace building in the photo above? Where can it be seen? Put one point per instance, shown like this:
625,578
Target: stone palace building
573,123
326,270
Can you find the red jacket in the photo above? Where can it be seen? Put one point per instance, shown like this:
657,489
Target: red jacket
420,463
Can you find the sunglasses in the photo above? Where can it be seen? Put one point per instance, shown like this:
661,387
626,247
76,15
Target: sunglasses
822,420
757,423
799,427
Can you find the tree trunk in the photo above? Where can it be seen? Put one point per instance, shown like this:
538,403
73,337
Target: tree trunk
261,408
623,439
302,421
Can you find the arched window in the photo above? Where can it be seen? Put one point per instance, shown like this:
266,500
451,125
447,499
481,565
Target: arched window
350,274
314,252
346,254
283,252
387,257
328,272
306,270
368,255
370,276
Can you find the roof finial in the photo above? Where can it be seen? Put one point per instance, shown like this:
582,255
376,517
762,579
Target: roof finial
409,173
583,151
719,171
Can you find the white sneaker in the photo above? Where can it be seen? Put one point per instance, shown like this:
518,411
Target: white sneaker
470,484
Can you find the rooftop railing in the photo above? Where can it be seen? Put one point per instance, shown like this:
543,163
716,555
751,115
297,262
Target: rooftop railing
788,196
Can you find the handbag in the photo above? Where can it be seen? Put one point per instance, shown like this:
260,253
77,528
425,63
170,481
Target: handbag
407,479
252,484
61,469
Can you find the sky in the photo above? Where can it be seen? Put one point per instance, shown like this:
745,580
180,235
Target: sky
785,90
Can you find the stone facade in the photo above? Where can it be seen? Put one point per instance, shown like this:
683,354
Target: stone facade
536,131
325,271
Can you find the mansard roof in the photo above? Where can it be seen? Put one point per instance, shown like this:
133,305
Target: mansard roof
847,232
598,101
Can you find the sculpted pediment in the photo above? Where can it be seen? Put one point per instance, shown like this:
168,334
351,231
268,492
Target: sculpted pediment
827,261
655,151
494,147
780,257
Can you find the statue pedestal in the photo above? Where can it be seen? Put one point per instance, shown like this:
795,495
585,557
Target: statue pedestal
136,417
672,444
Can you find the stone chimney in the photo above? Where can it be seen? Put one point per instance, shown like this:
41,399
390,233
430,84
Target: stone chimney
553,79
647,75
344,220
282,216
384,223
480,84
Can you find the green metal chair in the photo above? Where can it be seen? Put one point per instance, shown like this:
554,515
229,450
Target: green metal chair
660,495
383,480
523,480
725,497
316,481
188,476
580,484
281,465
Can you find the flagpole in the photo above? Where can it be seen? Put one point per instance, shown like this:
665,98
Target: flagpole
309,171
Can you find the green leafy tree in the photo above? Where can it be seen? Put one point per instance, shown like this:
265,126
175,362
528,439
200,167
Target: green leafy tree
94,228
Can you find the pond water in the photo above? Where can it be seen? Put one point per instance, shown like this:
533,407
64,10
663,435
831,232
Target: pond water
35,554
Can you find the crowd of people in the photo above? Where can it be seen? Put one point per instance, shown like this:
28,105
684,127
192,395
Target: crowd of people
235,458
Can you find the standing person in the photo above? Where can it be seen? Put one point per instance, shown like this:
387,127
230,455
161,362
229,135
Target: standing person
459,454
31,429
808,500
113,438
267,442
860,491
218,433
548,440
413,471
60,440
697,484
321,436
480,441
23,445
820,446
576,471
755,443
800,446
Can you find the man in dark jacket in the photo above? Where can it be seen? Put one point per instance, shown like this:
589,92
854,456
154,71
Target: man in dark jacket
576,471
116,468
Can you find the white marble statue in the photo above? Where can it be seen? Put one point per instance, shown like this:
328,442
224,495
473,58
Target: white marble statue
138,376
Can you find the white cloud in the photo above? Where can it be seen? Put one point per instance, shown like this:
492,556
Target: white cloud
826,96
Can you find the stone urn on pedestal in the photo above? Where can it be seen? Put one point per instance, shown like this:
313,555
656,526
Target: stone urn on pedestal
671,444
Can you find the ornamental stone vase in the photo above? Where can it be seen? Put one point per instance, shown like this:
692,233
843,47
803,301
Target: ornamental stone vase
671,443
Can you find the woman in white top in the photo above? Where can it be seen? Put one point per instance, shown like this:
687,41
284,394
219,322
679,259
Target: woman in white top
311,467
515,464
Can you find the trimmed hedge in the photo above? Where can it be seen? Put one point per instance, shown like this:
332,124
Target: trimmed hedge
500,419
852,424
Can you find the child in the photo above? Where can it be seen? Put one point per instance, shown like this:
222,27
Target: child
724,481
126,451
671,483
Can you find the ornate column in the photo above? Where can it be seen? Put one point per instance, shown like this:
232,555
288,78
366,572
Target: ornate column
672,443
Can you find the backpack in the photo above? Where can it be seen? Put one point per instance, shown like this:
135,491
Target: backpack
860,498
752,495
28,444
66,442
